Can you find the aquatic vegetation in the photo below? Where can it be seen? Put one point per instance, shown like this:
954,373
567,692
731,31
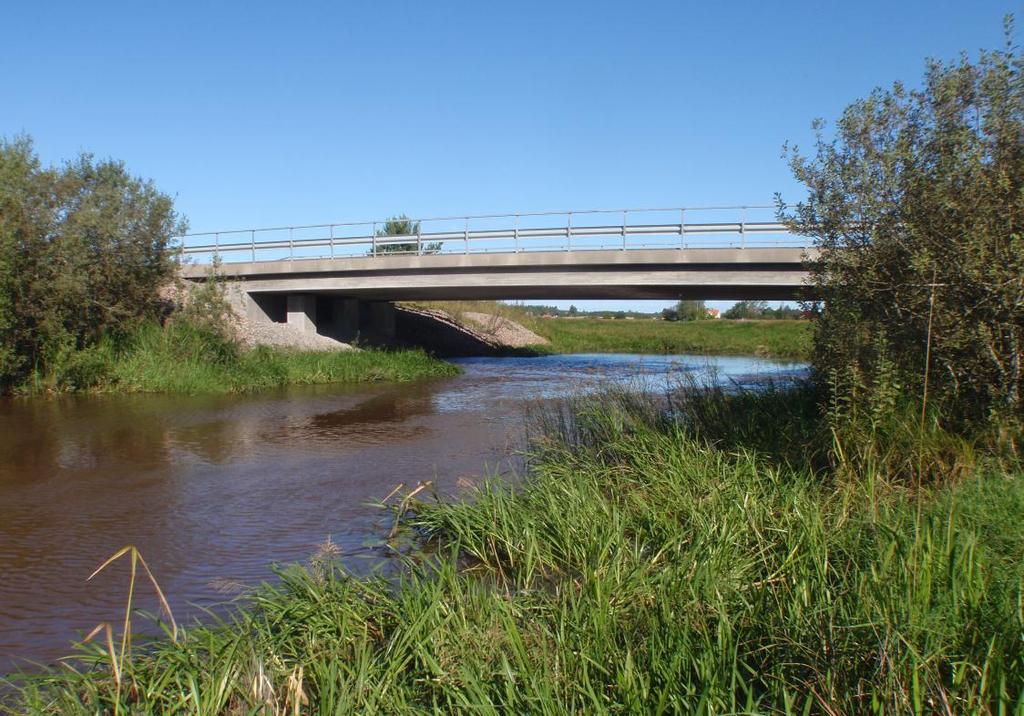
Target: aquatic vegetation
649,561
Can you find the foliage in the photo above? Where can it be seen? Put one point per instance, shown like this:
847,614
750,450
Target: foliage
691,311
205,305
84,248
746,309
643,565
541,310
686,310
404,226
185,357
917,208
784,313
760,310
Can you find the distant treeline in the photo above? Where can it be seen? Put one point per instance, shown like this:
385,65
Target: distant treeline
573,312
682,311
761,310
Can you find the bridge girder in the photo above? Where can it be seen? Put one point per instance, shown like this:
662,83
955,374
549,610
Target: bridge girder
737,274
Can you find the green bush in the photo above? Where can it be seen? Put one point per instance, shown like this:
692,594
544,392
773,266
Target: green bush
917,207
84,250
89,367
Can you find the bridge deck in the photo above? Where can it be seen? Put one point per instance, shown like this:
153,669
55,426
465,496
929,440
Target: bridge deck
711,273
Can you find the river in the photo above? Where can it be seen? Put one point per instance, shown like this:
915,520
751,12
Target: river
213,489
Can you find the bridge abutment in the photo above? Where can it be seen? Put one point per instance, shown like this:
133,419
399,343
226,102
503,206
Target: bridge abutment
301,311
341,318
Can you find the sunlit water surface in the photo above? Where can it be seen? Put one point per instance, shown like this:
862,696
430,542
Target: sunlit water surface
213,489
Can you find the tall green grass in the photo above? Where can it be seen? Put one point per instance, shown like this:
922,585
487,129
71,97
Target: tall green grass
181,357
648,562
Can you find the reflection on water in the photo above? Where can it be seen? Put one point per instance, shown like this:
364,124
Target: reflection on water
213,488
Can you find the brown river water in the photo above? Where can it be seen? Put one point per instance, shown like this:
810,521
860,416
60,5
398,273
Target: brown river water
214,489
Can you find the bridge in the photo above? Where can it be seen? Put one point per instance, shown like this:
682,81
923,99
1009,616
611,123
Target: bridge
332,278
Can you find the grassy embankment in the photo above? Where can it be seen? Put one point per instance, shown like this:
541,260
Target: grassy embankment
181,358
776,339
714,563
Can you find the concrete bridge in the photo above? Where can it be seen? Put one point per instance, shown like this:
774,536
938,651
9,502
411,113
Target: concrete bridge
335,278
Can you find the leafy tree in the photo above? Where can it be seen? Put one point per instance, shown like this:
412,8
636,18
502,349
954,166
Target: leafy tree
782,312
84,249
206,306
916,205
402,225
573,310
691,311
669,314
747,310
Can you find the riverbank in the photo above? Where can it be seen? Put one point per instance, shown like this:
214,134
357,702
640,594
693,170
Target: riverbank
703,565
183,358
788,339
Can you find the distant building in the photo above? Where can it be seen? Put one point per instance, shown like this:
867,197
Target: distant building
714,313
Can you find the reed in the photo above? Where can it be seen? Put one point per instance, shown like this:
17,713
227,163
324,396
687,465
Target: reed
655,558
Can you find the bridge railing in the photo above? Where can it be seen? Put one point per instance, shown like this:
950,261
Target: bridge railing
595,229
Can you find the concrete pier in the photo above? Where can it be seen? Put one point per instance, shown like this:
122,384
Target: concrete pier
301,308
382,319
345,314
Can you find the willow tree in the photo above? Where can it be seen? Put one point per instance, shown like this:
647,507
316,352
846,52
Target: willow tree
916,204
84,249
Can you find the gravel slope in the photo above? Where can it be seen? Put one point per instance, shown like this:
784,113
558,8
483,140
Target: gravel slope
503,331
281,335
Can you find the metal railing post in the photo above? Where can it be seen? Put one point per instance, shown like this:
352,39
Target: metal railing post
291,243
743,228
624,220
465,236
252,244
568,233
216,247
419,238
332,240
682,228
515,232
373,240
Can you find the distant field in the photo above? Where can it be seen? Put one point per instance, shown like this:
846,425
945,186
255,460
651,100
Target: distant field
781,339
777,339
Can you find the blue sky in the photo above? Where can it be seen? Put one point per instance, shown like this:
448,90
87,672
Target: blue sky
257,114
